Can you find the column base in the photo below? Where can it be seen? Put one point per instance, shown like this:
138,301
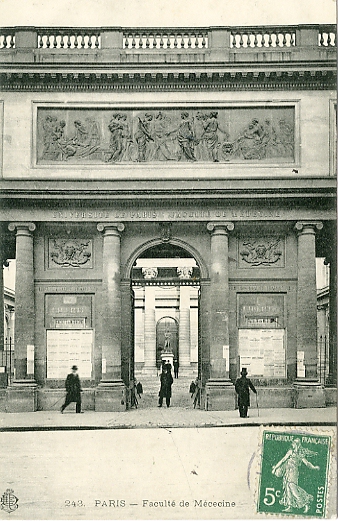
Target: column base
110,396
308,393
220,395
22,396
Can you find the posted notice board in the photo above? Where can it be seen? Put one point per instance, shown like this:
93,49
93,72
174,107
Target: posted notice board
66,348
262,352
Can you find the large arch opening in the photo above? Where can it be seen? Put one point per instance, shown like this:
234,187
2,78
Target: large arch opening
165,280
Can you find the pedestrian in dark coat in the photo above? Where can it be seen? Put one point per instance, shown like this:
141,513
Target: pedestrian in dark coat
166,383
176,368
242,387
73,388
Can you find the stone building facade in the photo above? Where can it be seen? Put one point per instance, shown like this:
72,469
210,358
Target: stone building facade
168,190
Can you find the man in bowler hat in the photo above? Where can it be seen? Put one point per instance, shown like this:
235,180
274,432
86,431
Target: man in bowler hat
242,387
73,388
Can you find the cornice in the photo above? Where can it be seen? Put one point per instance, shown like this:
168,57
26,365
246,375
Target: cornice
311,188
258,76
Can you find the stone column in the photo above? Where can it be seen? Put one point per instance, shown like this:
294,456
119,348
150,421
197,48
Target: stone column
110,394
307,295
219,275
22,395
24,296
149,322
2,304
332,377
308,392
220,393
184,329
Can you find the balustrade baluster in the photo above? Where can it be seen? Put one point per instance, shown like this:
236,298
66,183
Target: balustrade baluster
241,40
322,40
270,41
140,41
147,42
255,41
155,40
203,41
76,41
293,39
89,41
328,39
48,41
161,41
133,43
126,42
182,40
189,40
62,43
196,40
82,40
175,41
97,41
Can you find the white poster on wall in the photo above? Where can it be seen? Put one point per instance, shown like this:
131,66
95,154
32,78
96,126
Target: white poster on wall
262,352
66,348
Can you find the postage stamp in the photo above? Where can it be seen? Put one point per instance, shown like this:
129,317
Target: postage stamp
294,472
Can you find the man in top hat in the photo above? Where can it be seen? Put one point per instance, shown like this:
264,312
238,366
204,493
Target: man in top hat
73,388
242,387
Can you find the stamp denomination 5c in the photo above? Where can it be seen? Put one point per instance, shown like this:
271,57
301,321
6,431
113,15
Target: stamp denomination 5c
294,473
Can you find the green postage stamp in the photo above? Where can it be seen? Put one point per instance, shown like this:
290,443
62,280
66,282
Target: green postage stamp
294,473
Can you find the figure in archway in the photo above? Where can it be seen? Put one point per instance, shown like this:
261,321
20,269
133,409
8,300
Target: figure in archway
167,342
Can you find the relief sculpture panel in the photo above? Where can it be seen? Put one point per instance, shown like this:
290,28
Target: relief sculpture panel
70,253
228,135
261,251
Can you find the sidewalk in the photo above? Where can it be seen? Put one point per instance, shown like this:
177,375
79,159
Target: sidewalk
163,418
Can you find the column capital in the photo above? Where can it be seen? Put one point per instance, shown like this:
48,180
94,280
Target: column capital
110,228
30,227
220,228
308,227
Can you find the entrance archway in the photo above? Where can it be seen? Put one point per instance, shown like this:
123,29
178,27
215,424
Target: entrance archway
165,280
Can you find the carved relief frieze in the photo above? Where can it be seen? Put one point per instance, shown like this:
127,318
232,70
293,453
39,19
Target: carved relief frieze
261,251
70,253
231,134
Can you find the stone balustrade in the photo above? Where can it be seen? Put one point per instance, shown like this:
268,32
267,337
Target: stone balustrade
121,45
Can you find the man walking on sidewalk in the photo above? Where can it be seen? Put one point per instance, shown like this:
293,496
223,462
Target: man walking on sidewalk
73,388
242,387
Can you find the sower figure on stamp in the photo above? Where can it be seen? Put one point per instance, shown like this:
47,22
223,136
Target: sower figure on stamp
242,387
73,388
166,383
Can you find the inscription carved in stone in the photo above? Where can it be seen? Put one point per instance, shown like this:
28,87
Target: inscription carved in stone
70,253
234,134
262,251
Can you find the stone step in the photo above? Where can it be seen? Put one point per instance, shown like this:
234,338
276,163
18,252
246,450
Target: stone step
151,386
